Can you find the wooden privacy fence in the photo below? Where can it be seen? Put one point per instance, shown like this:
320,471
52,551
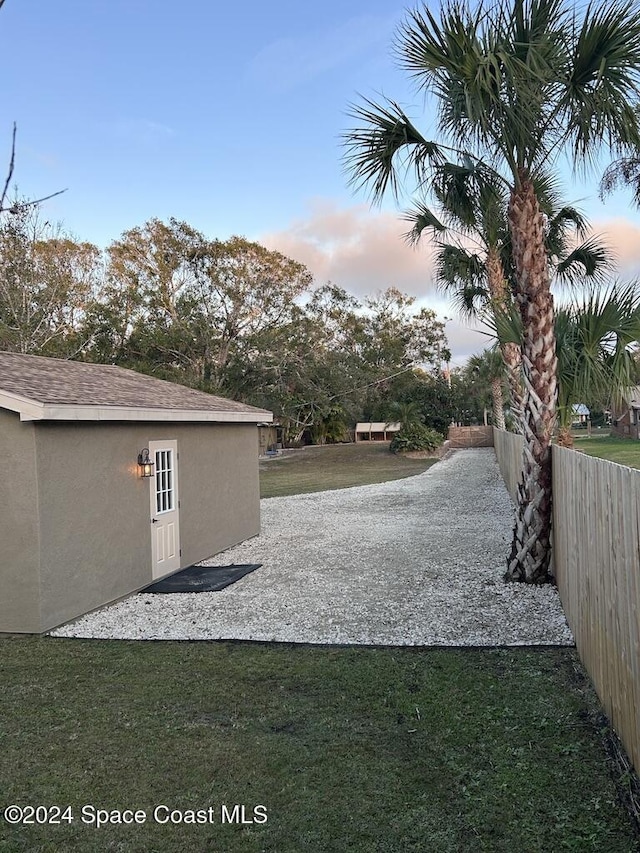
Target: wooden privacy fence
508,448
596,556
597,565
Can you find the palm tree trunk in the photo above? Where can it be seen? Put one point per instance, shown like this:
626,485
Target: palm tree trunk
498,403
511,352
530,556
565,437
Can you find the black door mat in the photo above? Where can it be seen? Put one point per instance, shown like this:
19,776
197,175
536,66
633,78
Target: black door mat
203,578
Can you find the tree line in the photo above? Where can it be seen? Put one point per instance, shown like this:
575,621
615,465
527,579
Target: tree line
228,317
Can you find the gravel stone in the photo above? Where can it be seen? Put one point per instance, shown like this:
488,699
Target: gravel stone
411,562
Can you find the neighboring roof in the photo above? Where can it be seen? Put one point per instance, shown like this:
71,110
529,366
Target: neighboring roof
377,426
634,397
630,399
580,409
55,389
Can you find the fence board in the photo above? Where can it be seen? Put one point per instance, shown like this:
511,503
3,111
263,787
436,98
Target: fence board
596,556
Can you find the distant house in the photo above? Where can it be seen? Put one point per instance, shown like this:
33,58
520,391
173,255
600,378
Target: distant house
110,479
376,431
626,415
580,414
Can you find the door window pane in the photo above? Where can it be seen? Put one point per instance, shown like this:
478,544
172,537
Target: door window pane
164,481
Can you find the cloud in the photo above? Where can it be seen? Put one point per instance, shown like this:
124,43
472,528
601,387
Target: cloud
364,252
623,238
355,248
288,62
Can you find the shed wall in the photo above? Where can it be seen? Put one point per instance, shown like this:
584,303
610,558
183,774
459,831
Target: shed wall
219,488
94,517
95,532
19,545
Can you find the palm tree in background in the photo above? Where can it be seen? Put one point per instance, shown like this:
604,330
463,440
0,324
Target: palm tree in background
489,369
472,207
405,413
517,84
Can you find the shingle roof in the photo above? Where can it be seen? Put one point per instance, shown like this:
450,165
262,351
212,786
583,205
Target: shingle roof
54,387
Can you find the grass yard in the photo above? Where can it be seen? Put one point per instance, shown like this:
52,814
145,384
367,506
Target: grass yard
624,451
348,749
335,466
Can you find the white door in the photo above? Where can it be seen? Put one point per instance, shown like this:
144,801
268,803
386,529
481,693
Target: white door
165,527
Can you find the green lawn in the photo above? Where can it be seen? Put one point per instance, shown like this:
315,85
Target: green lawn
386,750
335,466
624,451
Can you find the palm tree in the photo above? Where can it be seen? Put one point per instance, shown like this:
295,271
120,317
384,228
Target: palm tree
405,413
517,85
474,209
489,368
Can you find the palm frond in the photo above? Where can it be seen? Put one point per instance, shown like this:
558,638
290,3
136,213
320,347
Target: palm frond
593,344
458,267
548,190
421,218
504,323
468,301
462,275
592,259
456,58
453,186
564,219
372,149
604,80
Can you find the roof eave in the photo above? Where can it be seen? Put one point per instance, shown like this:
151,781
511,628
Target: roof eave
30,410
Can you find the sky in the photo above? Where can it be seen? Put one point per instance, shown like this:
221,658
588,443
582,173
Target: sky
229,116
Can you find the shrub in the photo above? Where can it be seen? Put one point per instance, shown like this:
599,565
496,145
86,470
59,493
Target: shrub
415,436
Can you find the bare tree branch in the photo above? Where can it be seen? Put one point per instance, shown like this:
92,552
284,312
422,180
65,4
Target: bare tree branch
31,203
14,208
12,162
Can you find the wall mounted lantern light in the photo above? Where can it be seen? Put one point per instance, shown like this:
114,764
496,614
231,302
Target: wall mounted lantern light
145,465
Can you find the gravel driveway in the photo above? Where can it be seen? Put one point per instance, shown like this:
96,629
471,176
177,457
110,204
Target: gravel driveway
411,562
